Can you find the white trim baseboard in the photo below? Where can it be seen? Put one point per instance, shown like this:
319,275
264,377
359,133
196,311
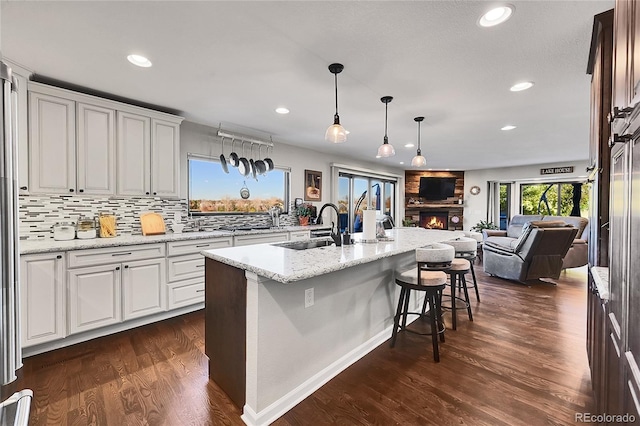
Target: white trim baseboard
291,399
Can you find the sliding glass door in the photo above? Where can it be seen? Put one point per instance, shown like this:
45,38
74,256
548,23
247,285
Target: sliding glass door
357,193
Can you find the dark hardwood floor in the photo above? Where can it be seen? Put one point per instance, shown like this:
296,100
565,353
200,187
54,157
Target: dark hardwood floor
521,362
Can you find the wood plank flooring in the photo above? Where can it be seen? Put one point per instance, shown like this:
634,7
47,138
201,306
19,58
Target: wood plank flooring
522,361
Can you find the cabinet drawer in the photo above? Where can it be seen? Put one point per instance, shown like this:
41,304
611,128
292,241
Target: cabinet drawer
245,240
184,267
185,293
298,235
92,257
176,248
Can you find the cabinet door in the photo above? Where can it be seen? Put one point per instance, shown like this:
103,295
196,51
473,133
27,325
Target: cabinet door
96,151
94,297
621,54
635,52
144,285
165,152
22,131
618,288
134,154
42,301
632,356
52,144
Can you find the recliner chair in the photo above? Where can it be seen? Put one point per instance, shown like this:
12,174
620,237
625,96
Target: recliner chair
537,253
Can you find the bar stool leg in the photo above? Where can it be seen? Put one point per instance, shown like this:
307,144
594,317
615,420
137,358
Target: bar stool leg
407,296
434,327
454,322
438,313
466,296
396,319
475,282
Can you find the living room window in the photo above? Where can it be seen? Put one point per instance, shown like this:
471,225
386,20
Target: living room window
212,191
555,199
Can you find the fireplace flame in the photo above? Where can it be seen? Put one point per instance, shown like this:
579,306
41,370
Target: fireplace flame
434,223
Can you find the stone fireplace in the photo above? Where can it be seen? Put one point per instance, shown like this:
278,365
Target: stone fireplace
434,219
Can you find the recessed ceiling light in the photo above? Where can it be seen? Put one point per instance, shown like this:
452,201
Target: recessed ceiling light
409,145
402,162
347,132
282,110
518,87
496,16
508,127
139,60
378,156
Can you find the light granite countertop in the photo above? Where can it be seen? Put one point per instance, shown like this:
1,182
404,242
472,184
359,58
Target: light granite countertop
600,276
50,245
287,265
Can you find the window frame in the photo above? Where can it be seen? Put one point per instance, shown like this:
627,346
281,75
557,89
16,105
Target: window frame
201,157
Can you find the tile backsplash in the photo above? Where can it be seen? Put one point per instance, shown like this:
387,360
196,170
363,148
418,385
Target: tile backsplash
38,213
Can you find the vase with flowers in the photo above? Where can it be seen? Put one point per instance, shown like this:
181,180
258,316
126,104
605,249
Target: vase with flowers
304,213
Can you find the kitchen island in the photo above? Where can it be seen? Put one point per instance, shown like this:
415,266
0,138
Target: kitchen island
280,322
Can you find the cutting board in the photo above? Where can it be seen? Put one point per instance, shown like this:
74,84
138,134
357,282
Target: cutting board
152,224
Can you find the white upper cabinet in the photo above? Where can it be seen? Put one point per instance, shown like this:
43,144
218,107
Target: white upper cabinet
165,152
52,137
96,150
134,154
88,145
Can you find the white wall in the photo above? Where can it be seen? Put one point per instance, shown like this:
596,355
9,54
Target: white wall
200,139
475,206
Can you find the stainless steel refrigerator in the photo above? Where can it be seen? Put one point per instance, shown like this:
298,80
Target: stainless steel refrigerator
15,410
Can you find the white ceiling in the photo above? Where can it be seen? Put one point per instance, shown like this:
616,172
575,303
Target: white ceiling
232,63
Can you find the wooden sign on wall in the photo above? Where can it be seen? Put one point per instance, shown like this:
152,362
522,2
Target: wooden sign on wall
556,170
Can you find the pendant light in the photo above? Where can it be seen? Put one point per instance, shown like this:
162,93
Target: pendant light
336,133
418,160
386,149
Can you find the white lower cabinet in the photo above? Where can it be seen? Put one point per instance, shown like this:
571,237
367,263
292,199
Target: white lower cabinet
143,288
94,297
185,267
245,240
299,235
42,298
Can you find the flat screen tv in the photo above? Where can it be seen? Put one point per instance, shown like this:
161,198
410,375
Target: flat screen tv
437,188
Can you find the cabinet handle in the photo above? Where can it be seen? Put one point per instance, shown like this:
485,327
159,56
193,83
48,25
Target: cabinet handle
59,256
24,188
120,254
199,291
202,245
616,138
117,268
199,266
147,192
126,266
618,113
70,189
80,190
155,193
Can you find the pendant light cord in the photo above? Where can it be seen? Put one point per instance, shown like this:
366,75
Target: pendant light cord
419,137
386,108
335,76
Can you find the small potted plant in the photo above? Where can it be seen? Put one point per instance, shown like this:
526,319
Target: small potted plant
304,212
483,224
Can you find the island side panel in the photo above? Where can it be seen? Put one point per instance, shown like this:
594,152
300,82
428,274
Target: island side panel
225,327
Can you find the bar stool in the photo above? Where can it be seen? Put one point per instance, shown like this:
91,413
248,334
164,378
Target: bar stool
467,248
459,268
432,282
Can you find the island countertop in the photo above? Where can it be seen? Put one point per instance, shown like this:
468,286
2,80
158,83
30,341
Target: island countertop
287,265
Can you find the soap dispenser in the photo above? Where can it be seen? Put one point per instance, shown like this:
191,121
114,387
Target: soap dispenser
346,238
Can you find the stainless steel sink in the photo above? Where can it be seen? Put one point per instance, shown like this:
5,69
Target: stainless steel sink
304,245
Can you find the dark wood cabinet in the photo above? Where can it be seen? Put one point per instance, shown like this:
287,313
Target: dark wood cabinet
613,332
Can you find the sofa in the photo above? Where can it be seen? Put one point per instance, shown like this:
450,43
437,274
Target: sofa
578,252
537,253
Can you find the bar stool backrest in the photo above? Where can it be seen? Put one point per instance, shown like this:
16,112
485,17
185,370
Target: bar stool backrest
463,245
435,255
